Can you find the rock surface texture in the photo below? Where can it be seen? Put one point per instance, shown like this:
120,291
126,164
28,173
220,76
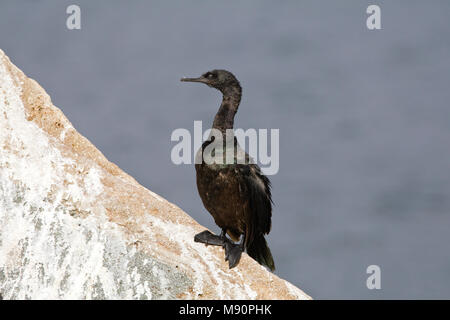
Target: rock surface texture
75,226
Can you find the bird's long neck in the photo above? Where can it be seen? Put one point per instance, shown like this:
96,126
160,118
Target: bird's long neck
224,118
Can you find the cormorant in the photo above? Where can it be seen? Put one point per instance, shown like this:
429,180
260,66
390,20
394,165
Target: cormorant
237,195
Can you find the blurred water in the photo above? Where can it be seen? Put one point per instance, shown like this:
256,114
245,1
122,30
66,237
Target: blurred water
363,116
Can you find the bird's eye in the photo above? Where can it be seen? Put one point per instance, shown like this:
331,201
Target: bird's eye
209,75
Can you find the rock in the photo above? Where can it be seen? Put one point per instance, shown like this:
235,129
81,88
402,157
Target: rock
75,226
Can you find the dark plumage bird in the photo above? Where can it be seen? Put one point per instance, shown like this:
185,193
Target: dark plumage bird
235,193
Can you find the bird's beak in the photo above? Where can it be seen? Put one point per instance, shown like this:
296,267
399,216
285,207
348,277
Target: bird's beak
199,79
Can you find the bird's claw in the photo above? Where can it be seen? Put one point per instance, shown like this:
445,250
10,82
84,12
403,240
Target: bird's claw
233,253
209,238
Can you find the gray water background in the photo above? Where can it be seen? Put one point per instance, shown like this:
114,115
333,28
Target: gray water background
364,118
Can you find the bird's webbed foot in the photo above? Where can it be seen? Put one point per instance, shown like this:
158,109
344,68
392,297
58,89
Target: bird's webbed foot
208,238
233,253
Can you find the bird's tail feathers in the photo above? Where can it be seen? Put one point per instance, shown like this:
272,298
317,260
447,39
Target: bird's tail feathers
260,251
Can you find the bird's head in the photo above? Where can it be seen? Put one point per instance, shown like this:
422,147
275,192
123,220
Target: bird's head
219,79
